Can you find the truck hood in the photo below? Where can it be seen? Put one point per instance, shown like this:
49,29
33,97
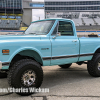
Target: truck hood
18,37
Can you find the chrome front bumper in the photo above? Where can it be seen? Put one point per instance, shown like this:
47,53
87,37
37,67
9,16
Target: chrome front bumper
4,65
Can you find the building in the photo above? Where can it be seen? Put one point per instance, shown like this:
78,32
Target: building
83,13
27,6
15,14
10,6
10,14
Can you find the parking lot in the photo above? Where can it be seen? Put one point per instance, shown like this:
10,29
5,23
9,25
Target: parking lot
64,84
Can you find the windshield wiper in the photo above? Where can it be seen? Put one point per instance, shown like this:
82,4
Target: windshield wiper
32,33
13,33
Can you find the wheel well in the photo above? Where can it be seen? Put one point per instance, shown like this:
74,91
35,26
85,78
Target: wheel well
27,54
98,50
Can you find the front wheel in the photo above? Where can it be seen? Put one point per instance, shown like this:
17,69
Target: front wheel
25,74
93,66
65,66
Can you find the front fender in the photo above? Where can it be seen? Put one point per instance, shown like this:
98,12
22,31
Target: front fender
96,49
22,49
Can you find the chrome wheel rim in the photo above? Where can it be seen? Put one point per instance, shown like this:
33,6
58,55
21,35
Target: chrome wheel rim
28,78
99,66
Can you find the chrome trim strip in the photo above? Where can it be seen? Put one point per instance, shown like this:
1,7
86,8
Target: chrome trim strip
46,58
5,63
70,56
62,57
86,54
2,64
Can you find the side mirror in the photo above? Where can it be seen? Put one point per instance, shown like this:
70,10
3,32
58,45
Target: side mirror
57,34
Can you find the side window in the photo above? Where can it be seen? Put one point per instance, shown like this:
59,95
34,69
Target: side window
65,28
55,31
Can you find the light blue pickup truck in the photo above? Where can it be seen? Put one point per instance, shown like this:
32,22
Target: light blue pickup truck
45,43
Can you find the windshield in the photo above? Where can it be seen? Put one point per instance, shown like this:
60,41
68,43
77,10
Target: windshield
40,28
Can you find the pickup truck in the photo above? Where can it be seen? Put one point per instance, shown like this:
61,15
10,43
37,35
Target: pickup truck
45,43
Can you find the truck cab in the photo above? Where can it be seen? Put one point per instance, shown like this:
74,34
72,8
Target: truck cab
65,43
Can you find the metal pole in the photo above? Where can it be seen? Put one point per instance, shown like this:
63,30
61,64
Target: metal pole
5,8
2,4
13,7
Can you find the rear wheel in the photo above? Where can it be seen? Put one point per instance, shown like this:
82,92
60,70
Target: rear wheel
93,66
25,74
65,66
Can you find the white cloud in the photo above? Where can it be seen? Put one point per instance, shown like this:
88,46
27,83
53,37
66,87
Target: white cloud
37,0
37,13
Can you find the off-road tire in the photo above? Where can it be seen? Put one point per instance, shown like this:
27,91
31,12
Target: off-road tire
17,70
92,65
65,66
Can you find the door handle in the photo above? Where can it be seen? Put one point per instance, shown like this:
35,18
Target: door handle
74,41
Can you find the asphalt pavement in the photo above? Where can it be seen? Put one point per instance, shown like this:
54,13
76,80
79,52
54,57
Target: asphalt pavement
64,84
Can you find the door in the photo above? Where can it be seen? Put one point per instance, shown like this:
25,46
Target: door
65,47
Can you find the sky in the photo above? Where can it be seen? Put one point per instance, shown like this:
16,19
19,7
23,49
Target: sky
37,0
37,13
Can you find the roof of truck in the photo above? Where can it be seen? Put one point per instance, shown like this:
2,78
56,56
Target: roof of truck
53,19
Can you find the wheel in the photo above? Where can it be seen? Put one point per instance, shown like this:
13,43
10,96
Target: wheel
93,66
65,66
26,74
3,74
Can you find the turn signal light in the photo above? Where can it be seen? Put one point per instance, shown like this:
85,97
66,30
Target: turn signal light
5,51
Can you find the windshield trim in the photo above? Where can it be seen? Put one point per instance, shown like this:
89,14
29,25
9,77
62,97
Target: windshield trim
40,21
